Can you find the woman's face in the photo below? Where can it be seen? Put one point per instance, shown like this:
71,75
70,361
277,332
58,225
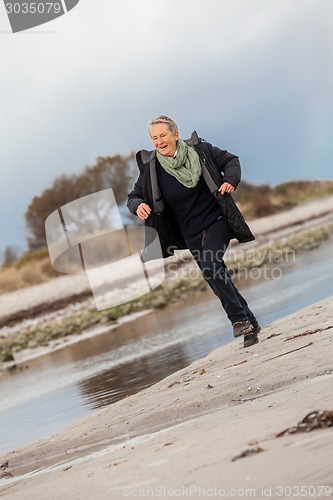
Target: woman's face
164,140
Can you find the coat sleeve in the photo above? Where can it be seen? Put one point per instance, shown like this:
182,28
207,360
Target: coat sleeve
136,196
228,164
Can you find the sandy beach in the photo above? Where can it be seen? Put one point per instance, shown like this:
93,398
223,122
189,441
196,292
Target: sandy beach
208,430
186,435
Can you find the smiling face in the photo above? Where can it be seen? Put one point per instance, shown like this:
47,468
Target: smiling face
164,140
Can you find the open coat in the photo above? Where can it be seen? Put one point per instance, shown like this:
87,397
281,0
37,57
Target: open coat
217,167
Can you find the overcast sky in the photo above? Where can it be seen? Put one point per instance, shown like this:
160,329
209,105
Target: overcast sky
254,77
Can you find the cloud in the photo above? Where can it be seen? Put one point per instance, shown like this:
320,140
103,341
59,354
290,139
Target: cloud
251,76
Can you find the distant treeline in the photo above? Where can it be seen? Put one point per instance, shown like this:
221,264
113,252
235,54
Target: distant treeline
258,201
119,172
110,171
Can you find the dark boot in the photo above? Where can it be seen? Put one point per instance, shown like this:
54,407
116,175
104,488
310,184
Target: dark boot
250,338
242,327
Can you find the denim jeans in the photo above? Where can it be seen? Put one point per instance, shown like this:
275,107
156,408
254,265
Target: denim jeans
208,249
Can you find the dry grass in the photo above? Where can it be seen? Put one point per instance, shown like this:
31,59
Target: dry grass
299,191
256,204
259,201
35,267
22,275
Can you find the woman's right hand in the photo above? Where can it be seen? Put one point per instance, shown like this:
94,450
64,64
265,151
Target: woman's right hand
143,211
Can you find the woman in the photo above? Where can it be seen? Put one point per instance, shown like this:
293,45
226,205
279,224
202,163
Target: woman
183,191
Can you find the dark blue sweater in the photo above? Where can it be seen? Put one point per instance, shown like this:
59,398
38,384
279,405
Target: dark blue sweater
195,209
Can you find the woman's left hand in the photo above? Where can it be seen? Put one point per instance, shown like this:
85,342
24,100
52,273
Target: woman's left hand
226,188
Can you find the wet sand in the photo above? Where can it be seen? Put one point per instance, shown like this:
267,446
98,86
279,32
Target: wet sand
185,436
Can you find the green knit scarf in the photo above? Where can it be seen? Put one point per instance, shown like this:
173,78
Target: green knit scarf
185,166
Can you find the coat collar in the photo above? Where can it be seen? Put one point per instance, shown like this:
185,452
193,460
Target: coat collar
193,140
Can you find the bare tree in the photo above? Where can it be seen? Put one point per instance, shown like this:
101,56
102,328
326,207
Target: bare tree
116,172
10,255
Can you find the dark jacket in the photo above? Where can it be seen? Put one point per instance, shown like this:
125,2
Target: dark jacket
217,167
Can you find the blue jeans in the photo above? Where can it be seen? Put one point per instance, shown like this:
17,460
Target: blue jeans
208,249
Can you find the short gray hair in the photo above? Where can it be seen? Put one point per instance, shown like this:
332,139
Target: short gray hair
164,119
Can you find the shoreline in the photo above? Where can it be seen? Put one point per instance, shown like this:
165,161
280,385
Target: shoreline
167,435
31,338
30,354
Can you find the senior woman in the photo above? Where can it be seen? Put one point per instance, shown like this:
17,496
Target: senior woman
183,191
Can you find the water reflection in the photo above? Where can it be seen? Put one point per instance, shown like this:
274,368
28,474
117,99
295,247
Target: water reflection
138,354
112,385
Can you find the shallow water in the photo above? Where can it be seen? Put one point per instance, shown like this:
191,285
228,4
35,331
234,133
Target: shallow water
53,391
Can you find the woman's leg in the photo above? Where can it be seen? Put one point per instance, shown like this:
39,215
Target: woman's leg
208,250
250,316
